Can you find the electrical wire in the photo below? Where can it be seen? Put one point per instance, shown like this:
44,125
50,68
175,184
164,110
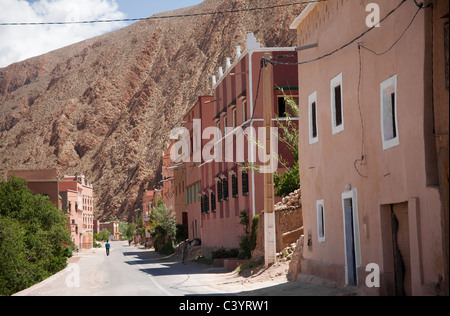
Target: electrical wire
398,40
156,17
275,62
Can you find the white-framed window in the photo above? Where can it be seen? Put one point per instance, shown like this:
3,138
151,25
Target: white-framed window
337,104
218,131
320,220
234,118
313,126
389,119
244,110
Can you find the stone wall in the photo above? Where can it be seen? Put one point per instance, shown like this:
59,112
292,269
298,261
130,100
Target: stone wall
289,224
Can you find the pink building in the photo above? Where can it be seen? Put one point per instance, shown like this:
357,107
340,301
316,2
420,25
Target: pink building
204,113
173,186
226,189
70,204
370,182
80,202
43,181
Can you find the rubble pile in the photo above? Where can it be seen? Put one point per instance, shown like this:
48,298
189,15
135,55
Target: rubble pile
292,201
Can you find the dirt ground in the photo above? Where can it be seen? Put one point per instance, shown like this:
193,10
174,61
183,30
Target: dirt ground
273,282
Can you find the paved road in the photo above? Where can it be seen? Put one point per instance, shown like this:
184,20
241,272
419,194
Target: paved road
128,271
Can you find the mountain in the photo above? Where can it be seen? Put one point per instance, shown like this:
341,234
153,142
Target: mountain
104,107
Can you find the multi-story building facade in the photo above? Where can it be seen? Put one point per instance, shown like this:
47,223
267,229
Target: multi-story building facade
198,118
371,192
81,208
226,188
173,186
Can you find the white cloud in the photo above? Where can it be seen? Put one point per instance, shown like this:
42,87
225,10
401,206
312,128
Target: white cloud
21,42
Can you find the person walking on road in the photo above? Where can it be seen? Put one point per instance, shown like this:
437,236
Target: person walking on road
107,246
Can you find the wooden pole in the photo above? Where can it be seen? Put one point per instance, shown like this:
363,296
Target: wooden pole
269,215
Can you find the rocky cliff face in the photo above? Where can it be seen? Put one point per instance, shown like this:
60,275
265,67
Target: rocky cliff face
104,107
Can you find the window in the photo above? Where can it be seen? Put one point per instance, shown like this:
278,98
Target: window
234,118
202,204
219,191
389,124
337,109
234,186
213,202
284,109
281,107
244,111
313,131
224,125
225,189
245,191
320,221
218,136
187,195
206,204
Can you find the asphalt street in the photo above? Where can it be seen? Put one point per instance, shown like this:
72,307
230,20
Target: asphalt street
128,271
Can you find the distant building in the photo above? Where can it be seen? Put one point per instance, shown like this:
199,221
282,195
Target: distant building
173,186
80,202
71,194
113,228
43,181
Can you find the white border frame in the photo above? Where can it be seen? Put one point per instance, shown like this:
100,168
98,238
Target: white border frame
336,81
320,203
352,194
313,98
389,86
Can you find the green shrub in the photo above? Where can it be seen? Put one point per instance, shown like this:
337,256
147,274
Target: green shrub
223,253
33,235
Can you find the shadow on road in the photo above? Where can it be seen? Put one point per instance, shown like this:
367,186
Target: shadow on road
158,265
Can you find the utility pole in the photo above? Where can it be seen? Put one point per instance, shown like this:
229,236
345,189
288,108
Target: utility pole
269,215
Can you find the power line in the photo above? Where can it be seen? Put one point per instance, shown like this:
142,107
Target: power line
275,62
161,17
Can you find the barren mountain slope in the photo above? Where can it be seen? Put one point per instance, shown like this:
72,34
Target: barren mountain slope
104,107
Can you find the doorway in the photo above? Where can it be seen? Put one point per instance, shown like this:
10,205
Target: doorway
400,240
396,249
350,253
351,237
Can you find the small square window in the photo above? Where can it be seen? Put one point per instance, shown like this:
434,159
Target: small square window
284,108
389,121
337,105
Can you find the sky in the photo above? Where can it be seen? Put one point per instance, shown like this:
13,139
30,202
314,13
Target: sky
18,43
